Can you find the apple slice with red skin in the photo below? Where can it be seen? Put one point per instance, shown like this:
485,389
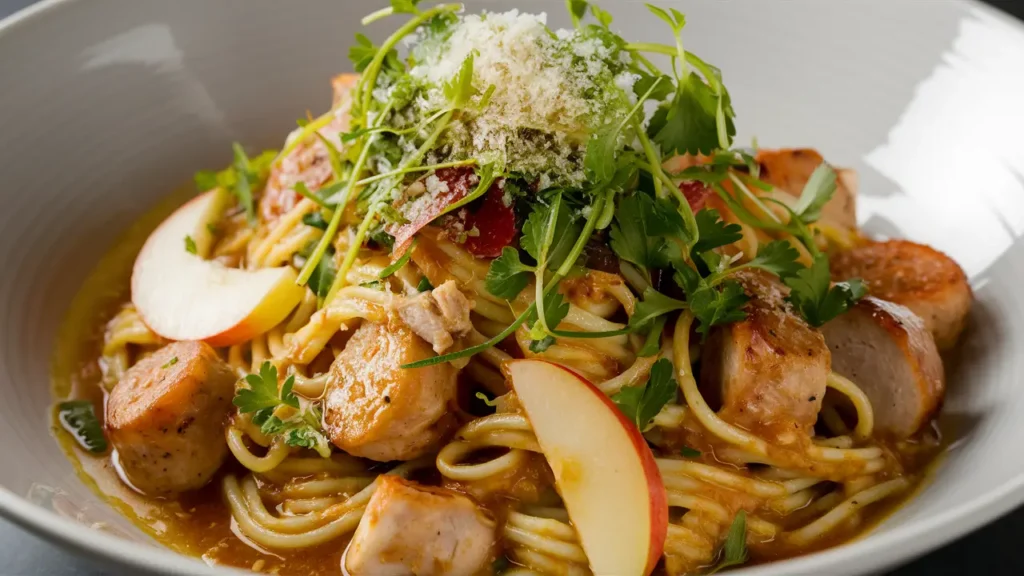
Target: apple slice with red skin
181,296
603,468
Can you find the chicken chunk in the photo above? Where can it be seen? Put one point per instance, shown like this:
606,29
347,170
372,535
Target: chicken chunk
790,168
412,529
921,278
885,349
309,162
166,418
769,371
438,316
376,409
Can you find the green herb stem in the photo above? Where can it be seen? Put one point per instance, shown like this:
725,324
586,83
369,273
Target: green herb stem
542,261
307,131
652,156
369,77
377,15
301,189
425,168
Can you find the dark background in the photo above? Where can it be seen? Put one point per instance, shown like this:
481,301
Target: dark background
993,550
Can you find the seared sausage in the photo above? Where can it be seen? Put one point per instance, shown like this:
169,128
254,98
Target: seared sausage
768,371
790,168
375,408
412,529
921,278
309,162
166,418
885,349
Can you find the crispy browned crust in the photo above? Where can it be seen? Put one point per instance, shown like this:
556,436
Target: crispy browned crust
917,348
919,277
790,168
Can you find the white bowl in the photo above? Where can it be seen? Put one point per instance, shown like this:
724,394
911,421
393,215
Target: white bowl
107,106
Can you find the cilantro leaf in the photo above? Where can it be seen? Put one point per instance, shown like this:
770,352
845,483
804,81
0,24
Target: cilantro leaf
664,87
713,232
567,231
816,193
78,417
689,123
599,161
713,306
652,344
361,53
262,392
323,275
642,403
639,231
687,452
817,300
315,220
778,257
508,276
190,245
654,304
424,285
734,550
306,436
244,182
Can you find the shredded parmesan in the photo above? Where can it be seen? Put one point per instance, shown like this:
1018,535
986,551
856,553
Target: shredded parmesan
550,92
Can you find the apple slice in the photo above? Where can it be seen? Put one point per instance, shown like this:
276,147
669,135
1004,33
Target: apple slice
603,467
180,296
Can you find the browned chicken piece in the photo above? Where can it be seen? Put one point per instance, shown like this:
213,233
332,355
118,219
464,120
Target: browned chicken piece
885,349
919,277
309,162
768,371
412,529
438,316
376,409
166,418
790,168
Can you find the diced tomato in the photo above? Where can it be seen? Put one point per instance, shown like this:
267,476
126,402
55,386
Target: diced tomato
696,193
492,226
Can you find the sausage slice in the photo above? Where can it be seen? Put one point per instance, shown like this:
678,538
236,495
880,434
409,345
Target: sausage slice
375,408
166,418
767,372
919,277
885,349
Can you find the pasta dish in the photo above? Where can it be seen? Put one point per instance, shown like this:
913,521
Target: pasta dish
517,303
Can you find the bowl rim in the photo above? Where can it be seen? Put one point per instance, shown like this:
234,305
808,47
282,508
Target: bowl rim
865,554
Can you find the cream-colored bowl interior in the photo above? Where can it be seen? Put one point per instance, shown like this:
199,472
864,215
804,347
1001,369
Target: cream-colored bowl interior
107,106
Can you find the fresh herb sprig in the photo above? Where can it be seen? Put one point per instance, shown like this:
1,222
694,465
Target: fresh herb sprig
642,403
79,418
300,426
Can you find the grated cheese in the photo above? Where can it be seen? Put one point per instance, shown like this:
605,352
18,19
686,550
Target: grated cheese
550,92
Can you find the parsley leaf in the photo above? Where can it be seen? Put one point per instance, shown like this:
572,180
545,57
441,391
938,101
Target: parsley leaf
508,276
662,86
714,232
190,245
676,21
639,231
734,551
577,10
556,308
307,436
567,231
642,403
687,124
816,193
315,220
687,452
78,417
652,344
817,300
244,181
323,275
263,392
654,304
713,307
778,257
424,285
362,52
